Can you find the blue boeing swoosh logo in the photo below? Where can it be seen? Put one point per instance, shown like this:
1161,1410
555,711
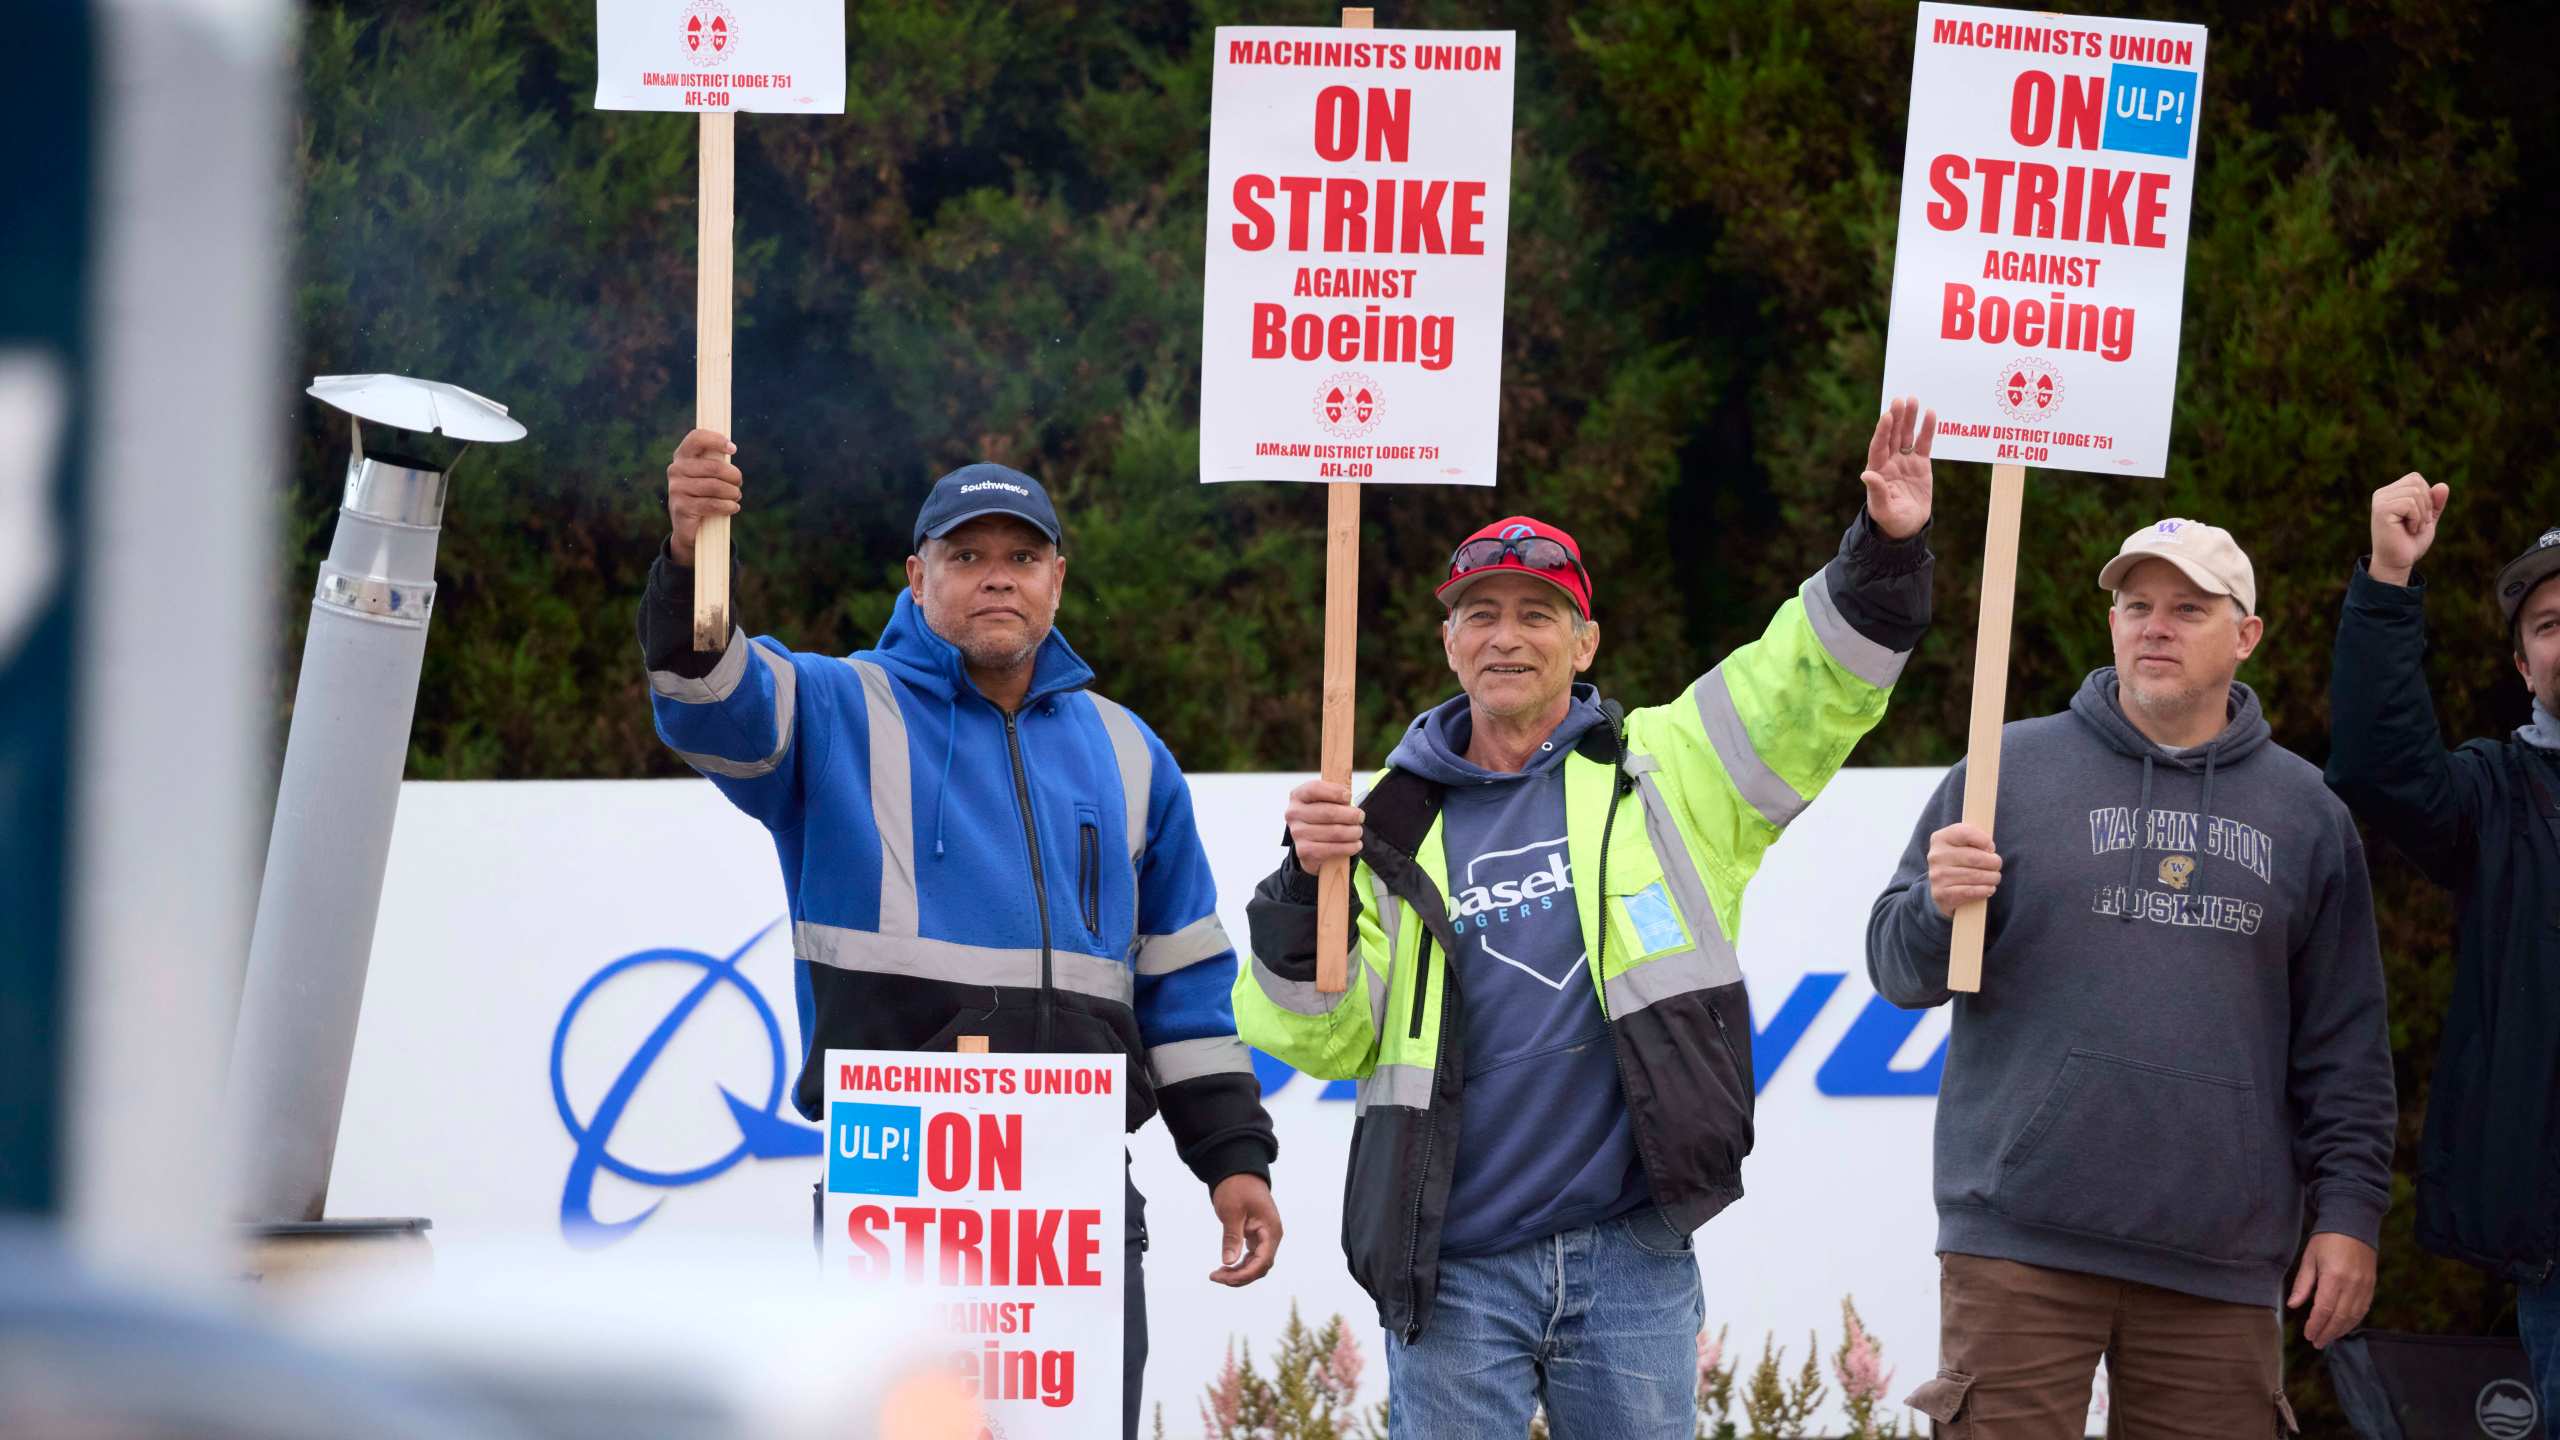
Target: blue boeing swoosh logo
763,1134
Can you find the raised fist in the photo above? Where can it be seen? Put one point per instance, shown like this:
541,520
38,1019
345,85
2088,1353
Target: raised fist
2404,525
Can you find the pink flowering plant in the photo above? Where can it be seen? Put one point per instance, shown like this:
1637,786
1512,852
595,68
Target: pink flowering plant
1312,1392
1859,1367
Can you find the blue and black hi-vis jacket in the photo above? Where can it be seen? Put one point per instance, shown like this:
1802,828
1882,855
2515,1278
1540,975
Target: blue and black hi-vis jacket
1035,878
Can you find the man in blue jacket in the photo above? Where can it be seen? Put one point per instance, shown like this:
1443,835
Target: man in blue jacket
2482,820
973,842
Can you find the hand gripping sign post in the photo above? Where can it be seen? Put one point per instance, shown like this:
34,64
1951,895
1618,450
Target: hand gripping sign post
2037,282
718,57
1351,320
984,1194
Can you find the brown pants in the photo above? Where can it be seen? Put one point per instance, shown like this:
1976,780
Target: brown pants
2017,1345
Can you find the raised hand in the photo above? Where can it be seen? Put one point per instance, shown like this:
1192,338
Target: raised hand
1897,473
701,482
2404,526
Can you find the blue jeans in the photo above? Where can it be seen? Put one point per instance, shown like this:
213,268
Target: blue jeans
2538,1322
1599,1324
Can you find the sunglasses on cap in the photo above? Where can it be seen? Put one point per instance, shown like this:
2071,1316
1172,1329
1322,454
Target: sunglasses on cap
1536,552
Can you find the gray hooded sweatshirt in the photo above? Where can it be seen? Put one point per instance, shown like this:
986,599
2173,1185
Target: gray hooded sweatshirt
2180,1039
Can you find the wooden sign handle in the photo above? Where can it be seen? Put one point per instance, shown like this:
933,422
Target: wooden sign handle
711,319
1341,654
973,1045
1990,703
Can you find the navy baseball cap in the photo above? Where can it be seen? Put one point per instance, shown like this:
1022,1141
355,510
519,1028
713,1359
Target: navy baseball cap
985,489
2524,574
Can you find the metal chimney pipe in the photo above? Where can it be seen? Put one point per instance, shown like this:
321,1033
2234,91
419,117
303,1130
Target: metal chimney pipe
335,805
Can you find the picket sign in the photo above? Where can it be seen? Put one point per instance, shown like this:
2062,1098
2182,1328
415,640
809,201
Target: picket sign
2039,276
981,1198
1351,309
692,55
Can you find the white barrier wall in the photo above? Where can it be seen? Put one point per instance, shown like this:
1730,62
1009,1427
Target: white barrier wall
552,1046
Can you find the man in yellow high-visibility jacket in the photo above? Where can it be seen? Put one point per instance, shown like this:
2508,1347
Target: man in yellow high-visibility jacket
1546,1012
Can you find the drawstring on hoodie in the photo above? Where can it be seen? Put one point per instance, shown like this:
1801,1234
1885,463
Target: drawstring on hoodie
2141,820
950,742
2141,817
2205,817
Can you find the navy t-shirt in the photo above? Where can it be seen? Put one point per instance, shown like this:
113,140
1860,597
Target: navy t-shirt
1544,1141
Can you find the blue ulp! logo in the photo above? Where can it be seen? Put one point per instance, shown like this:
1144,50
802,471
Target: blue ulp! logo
873,1149
2150,111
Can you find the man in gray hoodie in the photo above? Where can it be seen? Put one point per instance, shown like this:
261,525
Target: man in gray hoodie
2178,1047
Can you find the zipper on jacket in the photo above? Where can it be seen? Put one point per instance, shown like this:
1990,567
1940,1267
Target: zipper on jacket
1089,874
1421,982
1039,878
1619,789
1430,1141
1731,1055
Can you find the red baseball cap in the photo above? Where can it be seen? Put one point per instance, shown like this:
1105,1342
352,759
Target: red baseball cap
1529,547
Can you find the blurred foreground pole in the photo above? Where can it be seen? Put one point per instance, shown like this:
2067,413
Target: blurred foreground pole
44,253
340,791
138,326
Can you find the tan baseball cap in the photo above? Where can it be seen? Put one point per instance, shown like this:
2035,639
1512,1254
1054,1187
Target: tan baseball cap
2206,553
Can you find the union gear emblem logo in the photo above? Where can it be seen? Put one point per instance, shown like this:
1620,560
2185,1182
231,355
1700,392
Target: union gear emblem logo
1348,405
710,34
2177,870
2028,389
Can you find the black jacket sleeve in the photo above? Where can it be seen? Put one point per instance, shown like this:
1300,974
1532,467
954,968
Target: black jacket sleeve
1280,920
1219,1127
2387,757
666,620
1881,584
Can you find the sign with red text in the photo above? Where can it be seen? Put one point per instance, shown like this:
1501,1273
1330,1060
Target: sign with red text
986,1192
2042,257
772,55
1359,203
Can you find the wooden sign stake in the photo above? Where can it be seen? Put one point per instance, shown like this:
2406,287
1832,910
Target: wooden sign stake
711,321
973,1045
1990,702
1341,653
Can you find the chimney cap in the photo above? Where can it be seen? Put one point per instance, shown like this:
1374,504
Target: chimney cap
411,404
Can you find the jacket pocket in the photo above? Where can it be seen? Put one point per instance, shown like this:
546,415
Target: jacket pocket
1089,868
1637,909
2140,1152
1942,1398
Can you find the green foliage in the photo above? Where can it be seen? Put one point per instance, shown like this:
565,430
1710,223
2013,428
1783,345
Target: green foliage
1774,1407
1715,1387
995,254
